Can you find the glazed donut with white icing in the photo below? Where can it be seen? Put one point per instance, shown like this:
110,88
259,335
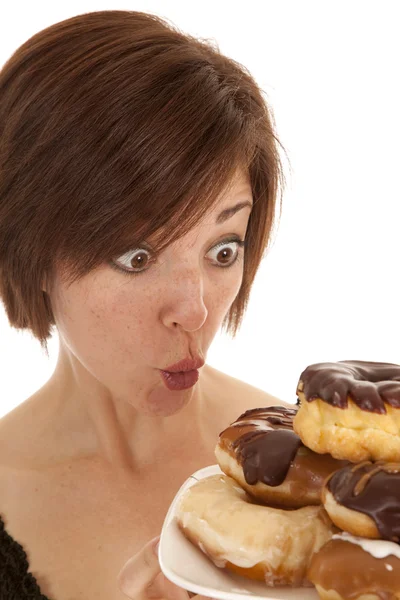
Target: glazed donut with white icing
267,458
350,409
364,500
354,568
258,542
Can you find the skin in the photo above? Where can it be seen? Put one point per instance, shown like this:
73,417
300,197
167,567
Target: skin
118,330
104,443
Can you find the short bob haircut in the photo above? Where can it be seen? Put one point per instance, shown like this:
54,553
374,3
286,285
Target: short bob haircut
116,127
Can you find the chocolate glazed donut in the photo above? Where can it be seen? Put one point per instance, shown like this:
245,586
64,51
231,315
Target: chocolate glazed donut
365,500
267,458
350,409
370,385
353,568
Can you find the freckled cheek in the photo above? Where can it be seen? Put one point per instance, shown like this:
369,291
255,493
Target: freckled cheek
125,311
127,323
233,286
102,316
222,298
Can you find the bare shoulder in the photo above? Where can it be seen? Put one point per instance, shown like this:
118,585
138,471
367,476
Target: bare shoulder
15,434
239,394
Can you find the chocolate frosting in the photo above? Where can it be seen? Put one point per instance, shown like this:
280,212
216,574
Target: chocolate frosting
267,451
372,489
370,385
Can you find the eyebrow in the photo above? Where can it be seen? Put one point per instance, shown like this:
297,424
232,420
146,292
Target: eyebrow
229,212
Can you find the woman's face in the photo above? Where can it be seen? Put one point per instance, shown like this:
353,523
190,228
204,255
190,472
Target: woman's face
122,326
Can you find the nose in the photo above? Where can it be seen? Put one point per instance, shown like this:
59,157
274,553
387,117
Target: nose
183,304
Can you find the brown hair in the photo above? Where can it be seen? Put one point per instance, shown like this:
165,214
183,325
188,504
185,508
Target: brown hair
114,127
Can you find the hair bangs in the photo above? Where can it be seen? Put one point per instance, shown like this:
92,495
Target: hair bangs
190,167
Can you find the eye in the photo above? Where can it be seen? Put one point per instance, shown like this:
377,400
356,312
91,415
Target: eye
134,261
226,253
223,255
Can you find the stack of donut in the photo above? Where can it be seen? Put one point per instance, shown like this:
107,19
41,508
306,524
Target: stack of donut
351,409
310,495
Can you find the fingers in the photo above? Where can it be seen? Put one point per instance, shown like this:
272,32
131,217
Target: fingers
138,574
163,589
141,578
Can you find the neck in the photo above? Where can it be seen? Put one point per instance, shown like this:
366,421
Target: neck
79,419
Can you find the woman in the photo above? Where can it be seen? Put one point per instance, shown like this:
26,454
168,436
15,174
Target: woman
139,175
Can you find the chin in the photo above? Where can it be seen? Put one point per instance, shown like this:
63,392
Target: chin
164,403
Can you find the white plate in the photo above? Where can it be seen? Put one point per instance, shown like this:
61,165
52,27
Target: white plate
186,566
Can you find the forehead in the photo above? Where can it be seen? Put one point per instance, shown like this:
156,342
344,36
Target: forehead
238,189
239,186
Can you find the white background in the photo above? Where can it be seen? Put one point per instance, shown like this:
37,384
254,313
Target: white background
329,288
